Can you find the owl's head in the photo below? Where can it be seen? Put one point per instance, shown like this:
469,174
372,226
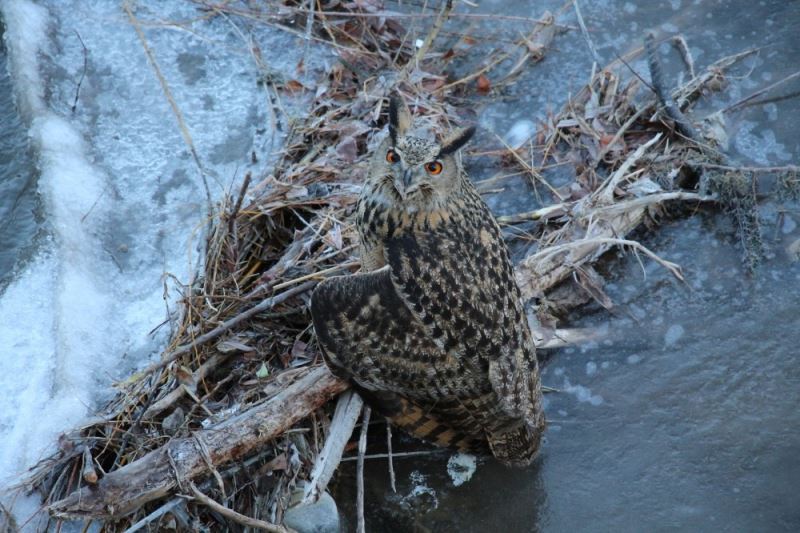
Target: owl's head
421,168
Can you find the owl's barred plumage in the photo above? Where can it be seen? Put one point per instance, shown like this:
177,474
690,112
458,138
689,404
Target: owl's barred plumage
434,336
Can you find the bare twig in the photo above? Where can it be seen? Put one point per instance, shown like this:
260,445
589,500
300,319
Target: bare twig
531,170
392,478
187,137
312,4
83,73
233,515
787,168
228,324
89,474
155,515
606,192
177,393
692,88
673,268
550,211
585,33
362,448
768,88
396,15
683,48
618,135
447,7
648,200
401,455
672,110
316,275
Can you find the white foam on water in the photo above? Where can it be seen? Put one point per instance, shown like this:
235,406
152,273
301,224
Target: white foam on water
461,467
673,335
583,394
761,146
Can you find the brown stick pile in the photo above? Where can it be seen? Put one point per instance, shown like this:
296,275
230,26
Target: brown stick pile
237,411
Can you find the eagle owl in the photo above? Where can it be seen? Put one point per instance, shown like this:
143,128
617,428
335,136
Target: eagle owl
433,335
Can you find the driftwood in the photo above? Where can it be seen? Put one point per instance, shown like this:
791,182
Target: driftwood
348,407
173,465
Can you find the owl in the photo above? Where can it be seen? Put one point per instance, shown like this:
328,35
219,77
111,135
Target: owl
432,334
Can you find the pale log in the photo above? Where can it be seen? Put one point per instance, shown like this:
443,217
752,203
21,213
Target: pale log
158,473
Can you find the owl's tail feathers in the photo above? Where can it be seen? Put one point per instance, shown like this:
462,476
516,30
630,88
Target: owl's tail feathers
419,422
518,446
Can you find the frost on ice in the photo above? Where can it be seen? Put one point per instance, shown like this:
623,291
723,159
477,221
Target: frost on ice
125,201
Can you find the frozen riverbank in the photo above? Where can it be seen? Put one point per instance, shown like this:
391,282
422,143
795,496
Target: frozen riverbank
124,201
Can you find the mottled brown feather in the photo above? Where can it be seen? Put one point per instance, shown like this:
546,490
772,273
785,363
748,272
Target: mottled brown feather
435,336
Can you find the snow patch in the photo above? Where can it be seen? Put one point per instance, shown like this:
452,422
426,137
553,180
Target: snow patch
520,132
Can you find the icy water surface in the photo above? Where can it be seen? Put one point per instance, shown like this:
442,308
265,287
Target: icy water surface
18,203
686,415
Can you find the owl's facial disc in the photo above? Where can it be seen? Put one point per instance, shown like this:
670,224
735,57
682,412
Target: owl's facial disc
409,179
413,164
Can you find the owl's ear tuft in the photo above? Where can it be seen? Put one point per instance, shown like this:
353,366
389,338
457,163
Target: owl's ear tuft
399,117
455,140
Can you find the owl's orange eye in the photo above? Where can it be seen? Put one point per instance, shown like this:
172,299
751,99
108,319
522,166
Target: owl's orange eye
434,167
392,157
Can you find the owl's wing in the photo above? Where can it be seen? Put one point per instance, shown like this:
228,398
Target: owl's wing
459,283
364,326
369,337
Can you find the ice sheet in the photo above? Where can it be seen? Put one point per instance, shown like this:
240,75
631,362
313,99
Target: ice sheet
124,199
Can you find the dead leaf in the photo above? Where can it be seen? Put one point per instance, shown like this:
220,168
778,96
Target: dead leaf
294,86
592,282
606,139
347,150
232,345
299,349
295,193
279,463
484,85
185,376
432,85
334,237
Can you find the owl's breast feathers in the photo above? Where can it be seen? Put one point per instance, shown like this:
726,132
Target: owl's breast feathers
439,338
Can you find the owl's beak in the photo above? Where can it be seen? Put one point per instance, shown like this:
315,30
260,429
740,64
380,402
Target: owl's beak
402,184
408,175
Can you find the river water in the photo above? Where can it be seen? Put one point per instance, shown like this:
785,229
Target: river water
18,201
684,416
